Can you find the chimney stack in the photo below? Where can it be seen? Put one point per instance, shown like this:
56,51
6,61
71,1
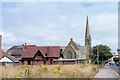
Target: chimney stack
48,50
24,46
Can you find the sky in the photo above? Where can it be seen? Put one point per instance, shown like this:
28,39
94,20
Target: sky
54,23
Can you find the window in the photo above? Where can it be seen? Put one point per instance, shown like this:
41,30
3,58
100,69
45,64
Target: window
69,55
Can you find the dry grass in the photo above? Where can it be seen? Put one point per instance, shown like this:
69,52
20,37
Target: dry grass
49,71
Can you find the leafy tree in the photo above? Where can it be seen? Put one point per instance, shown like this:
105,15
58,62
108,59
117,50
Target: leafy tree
115,59
101,53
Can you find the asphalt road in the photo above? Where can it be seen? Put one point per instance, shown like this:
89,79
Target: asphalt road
114,67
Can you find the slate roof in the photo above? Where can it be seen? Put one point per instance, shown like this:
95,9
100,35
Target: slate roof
16,53
54,51
12,58
16,47
19,47
81,54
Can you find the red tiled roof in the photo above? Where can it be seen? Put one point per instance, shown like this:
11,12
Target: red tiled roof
17,48
54,51
30,52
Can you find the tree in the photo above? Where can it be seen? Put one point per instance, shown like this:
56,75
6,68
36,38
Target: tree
101,53
115,59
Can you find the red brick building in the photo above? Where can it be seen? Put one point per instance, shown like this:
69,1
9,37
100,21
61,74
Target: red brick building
40,55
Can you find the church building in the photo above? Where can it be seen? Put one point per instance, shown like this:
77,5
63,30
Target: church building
75,53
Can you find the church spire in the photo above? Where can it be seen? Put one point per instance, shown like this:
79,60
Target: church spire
88,41
87,34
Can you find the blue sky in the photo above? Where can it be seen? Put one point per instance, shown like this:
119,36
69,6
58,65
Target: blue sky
54,23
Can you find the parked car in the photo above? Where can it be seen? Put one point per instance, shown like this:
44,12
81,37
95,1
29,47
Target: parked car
111,63
117,63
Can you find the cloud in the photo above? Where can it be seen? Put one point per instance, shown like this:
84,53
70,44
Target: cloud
55,23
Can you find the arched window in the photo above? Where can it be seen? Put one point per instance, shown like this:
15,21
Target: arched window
69,55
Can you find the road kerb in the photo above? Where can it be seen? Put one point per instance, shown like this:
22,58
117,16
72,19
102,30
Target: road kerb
115,73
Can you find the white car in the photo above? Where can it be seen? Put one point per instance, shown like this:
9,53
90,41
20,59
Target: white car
117,63
112,63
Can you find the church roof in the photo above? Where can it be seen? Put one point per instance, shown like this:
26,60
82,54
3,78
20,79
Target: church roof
81,54
74,44
77,44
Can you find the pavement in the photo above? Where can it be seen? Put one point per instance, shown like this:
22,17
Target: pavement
106,72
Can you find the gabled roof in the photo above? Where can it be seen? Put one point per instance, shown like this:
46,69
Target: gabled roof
77,44
5,59
70,47
30,53
47,51
74,44
12,58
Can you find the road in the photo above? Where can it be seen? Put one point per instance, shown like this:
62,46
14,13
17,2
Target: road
114,67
